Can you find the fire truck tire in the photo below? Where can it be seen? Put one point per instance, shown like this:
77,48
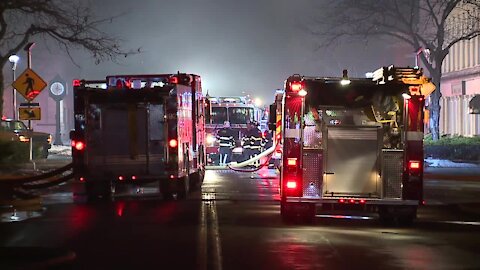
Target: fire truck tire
99,190
402,216
183,188
305,214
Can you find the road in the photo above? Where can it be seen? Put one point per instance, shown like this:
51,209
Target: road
234,223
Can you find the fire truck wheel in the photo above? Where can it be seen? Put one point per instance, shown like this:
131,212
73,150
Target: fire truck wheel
99,190
196,180
183,188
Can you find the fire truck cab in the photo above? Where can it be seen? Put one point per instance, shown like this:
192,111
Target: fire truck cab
237,110
136,129
353,144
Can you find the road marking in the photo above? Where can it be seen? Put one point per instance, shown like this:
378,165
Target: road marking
474,223
209,242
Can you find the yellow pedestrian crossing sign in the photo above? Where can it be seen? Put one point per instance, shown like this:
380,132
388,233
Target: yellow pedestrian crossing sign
29,84
29,113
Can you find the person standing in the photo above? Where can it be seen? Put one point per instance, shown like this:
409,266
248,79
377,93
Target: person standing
227,142
253,142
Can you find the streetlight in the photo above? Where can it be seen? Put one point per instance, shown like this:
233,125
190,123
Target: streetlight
14,60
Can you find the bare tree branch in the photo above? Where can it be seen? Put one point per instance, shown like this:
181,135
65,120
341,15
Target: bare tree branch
436,25
70,23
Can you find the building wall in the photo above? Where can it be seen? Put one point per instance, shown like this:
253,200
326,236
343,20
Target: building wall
460,82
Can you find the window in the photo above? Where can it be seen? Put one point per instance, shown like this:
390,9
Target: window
219,115
239,115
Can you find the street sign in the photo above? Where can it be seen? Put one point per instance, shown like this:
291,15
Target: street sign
29,113
29,84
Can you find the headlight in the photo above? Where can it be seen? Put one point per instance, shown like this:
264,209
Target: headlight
210,139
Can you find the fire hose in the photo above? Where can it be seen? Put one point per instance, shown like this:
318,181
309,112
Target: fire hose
47,184
21,181
267,153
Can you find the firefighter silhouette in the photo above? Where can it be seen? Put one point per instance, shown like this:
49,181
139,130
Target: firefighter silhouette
29,81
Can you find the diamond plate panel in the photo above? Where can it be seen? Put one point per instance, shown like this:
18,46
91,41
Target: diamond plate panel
392,170
312,172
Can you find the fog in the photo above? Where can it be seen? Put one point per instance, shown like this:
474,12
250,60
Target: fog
238,47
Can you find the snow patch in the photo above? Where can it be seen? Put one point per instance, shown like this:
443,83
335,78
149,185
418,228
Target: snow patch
448,164
60,150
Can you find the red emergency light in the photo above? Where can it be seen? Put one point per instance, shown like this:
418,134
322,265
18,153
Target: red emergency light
173,80
296,86
76,83
173,143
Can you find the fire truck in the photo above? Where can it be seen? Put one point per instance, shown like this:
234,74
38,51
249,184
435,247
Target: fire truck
136,129
353,144
238,110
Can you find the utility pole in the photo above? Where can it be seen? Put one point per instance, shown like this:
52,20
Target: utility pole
14,60
28,48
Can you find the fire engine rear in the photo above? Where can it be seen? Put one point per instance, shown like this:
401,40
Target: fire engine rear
353,144
138,129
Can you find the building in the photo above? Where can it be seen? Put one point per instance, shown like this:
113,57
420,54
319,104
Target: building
460,81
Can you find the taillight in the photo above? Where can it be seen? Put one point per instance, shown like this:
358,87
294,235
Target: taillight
134,177
76,83
292,162
291,184
120,178
173,143
414,164
78,145
82,179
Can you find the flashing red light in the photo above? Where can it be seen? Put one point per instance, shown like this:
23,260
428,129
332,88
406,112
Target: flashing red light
76,82
352,201
341,201
120,178
82,179
173,80
173,143
296,86
362,201
134,177
119,84
414,165
78,145
172,176
291,185
292,162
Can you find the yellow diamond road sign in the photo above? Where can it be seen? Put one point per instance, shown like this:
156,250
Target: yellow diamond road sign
29,84
29,113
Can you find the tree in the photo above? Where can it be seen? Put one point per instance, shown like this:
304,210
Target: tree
70,23
435,25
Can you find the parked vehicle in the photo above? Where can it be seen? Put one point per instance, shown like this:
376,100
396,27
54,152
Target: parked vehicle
17,131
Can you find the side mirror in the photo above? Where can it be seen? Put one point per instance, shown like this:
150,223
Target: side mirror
272,117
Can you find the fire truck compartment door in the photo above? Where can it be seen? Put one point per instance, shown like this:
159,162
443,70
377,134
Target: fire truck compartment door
119,140
352,161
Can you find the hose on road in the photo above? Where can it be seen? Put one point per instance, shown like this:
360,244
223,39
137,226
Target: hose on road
51,183
21,181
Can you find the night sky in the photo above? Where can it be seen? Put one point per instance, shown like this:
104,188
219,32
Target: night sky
248,46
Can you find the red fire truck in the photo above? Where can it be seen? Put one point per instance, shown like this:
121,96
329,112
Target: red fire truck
235,109
138,129
353,143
